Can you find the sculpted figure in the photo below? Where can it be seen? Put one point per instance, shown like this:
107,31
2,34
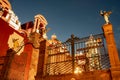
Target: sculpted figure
105,15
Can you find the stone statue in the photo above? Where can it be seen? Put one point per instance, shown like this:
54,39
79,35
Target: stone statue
105,15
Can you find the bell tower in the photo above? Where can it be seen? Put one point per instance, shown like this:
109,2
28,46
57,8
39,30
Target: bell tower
40,25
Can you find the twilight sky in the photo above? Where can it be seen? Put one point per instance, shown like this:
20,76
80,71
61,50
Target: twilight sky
66,17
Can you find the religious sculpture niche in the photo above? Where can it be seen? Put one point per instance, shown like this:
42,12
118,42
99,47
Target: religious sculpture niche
105,15
16,43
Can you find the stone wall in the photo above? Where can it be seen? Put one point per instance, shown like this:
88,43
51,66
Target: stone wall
93,75
33,65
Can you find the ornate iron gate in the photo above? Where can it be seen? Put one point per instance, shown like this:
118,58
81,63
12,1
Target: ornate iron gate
77,55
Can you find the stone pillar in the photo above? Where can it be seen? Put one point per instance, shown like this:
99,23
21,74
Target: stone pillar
112,52
7,64
36,24
33,65
41,61
111,45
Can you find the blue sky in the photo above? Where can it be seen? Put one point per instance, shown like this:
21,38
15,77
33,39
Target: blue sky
66,17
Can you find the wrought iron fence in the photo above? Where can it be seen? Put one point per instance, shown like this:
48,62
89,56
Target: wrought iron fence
77,55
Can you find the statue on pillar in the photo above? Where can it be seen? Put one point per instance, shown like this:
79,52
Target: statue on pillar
105,15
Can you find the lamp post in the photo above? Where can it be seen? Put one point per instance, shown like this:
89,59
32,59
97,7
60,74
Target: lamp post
72,42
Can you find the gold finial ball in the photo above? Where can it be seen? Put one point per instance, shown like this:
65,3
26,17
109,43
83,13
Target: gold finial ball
53,36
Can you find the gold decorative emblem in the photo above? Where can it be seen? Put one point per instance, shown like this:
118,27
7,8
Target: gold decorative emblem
16,42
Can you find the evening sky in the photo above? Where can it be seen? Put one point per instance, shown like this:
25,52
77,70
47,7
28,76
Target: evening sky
66,17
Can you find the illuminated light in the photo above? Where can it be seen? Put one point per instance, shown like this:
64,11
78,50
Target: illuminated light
45,36
77,70
81,62
63,47
73,79
81,53
99,40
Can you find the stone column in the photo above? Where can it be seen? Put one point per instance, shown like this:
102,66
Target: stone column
36,24
7,64
41,61
111,45
112,52
33,65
